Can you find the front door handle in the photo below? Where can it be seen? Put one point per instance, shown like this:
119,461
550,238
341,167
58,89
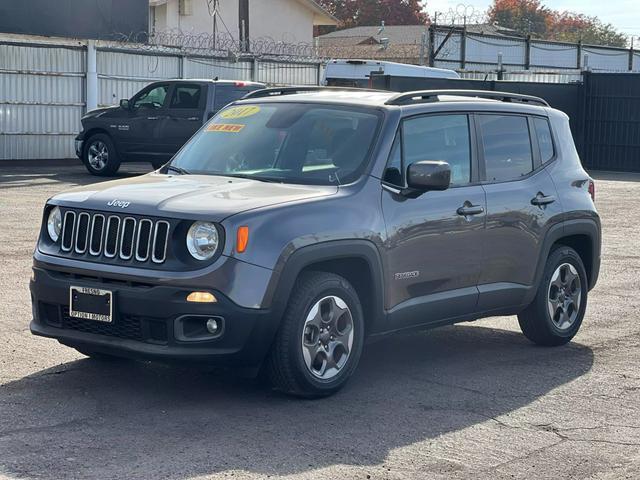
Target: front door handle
193,119
541,199
153,118
467,209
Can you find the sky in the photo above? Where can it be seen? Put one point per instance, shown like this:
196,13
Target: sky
623,14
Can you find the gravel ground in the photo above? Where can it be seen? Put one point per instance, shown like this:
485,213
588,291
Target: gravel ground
470,401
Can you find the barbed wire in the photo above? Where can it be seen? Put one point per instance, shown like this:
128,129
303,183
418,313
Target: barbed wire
461,15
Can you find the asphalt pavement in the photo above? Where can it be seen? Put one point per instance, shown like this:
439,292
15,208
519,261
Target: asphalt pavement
472,401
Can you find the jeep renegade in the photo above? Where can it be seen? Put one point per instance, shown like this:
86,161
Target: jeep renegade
295,224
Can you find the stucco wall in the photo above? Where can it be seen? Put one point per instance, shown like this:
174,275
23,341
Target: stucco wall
282,20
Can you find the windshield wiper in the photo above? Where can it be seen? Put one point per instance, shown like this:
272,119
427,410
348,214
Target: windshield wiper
179,170
250,177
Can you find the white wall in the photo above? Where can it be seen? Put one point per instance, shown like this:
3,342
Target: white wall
282,20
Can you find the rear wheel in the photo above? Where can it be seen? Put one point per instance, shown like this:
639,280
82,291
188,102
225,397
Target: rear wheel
555,315
100,156
320,340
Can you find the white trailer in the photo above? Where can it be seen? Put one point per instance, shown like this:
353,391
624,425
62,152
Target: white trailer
357,73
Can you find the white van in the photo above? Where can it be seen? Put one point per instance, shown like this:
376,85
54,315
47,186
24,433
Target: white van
357,73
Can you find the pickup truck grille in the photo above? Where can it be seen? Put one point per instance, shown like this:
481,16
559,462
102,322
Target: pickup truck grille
126,237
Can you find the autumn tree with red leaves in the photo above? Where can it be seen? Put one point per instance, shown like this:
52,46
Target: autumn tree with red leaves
354,13
531,17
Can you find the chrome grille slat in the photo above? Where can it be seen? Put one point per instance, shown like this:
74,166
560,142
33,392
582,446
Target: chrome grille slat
163,238
93,233
113,220
69,223
125,243
128,238
81,246
142,243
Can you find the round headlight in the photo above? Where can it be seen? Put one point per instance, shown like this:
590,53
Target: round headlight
202,240
54,224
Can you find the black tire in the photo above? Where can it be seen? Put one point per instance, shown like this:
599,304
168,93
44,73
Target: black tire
536,321
285,365
106,166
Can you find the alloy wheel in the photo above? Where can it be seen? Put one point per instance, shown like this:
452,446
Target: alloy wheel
564,296
98,155
327,337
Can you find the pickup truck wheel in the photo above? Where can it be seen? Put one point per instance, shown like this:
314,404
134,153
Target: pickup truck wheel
100,156
320,339
556,313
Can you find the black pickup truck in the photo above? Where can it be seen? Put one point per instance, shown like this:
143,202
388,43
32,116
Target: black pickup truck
153,124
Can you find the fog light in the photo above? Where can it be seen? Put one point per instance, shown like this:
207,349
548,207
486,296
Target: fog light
213,326
201,297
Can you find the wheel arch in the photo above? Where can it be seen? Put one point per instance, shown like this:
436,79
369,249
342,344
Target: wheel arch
356,260
583,235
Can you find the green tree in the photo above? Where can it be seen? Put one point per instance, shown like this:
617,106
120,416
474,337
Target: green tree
353,13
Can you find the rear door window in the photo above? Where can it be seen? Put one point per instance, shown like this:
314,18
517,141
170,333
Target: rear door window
506,144
186,96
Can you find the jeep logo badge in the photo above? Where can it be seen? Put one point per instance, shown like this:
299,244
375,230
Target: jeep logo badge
118,203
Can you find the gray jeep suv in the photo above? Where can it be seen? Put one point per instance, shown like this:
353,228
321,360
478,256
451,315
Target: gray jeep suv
296,224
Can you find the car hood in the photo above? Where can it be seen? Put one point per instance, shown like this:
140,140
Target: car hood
186,196
97,112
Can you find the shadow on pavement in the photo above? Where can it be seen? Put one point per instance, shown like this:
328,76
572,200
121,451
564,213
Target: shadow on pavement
66,175
140,421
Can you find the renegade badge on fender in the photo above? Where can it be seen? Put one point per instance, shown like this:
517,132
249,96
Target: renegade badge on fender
295,224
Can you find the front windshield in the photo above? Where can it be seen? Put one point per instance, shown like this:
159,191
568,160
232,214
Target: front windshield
282,142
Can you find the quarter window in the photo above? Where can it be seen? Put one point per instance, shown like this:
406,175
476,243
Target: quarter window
440,137
186,96
545,140
507,147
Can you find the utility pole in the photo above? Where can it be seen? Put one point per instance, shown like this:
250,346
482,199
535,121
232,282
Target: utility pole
243,24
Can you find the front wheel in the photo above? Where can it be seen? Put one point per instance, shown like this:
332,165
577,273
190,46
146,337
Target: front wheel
100,156
320,339
555,315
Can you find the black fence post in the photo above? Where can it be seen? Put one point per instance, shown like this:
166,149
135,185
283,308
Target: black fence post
631,56
579,55
527,53
432,41
463,48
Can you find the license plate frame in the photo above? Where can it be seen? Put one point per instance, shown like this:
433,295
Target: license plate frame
84,295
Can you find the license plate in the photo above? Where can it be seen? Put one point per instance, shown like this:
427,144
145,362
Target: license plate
91,304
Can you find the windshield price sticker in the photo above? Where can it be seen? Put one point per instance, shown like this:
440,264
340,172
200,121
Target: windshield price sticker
225,127
240,112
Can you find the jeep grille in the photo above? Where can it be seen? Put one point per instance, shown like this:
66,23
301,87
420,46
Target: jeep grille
95,234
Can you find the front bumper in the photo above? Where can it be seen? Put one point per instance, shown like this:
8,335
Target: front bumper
79,145
145,319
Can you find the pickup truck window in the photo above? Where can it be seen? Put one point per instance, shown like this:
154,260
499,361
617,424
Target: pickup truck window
153,98
288,142
185,96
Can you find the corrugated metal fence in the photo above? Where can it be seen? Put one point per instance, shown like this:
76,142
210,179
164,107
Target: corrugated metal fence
455,48
43,86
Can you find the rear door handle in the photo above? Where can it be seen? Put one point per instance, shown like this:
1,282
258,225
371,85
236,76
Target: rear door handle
153,118
541,199
467,210
193,119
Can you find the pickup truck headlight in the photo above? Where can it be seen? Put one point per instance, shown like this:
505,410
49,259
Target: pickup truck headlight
202,240
54,224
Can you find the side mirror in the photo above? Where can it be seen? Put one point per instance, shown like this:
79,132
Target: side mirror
124,104
428,175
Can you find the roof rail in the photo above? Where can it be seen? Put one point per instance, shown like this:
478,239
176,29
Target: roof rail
277,91
426,96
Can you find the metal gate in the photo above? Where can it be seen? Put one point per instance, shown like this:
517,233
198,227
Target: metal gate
604,111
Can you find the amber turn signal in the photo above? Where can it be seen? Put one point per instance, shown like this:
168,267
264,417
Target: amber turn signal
242,239
201,297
